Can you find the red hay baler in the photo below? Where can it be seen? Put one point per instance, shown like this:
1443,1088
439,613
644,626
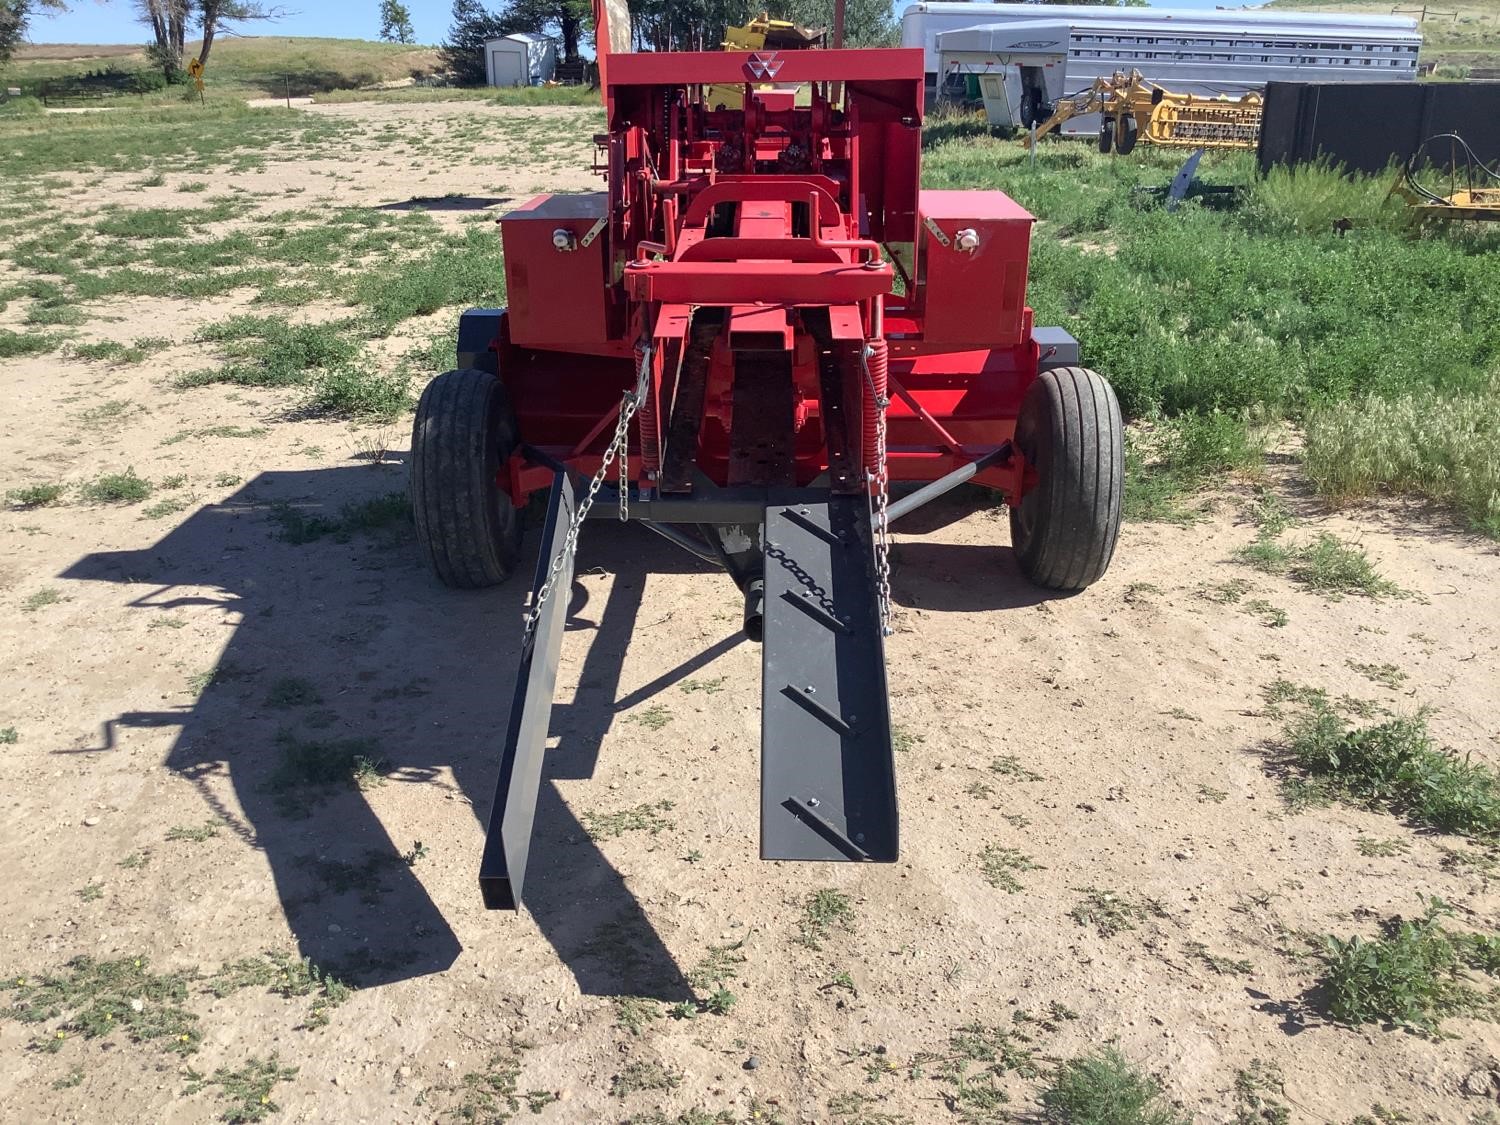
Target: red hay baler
759,328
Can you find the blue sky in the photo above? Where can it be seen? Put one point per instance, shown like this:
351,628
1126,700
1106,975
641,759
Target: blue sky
111,21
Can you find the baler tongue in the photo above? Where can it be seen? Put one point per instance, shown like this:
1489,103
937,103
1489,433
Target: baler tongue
828,786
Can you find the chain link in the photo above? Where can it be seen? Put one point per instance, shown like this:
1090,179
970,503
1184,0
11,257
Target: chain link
618,444
881,479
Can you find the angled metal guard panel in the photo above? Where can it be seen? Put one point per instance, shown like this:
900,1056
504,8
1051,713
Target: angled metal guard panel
828,786
508,840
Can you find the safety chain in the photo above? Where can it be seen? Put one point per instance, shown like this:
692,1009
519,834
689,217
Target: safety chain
882,498
629,404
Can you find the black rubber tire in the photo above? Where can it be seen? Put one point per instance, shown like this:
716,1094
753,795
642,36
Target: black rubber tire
1106,135
1125,142
465,430
1070,430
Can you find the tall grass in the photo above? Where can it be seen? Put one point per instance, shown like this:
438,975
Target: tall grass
1263,305
1430,443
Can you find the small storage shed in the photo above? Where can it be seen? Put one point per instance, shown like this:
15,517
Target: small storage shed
520,60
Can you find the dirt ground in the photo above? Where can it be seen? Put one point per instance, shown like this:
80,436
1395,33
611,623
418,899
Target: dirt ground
1118,739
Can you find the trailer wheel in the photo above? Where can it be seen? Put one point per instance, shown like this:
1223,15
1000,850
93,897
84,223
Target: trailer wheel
1129,129
1070,430
464,433
1106,135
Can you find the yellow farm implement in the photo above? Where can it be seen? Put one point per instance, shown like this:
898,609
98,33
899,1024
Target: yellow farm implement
1133,108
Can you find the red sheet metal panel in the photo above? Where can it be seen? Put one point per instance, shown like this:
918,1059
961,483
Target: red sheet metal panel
557,294
973,251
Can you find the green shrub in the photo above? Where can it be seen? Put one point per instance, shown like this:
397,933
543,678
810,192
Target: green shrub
117,488
1394,765
1105,1088
1412,976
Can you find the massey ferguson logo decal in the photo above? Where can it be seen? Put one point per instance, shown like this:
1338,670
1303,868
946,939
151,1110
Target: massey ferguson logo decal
760,67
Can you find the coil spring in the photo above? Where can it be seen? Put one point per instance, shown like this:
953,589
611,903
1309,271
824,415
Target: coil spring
646,420
878,362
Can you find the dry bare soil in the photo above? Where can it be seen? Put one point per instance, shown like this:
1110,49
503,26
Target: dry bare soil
247,727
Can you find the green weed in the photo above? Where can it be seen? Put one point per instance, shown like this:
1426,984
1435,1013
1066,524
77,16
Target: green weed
1105,1088
1008,765
195,835
822,911
8,736
639,1075
246,1090
641,818
1222,965
1395,766
1369,846
652,718
1327,565
292,691
998,866
309,768
1414,975
116,488
1107,912
35,495
978,1057
93,998
633,1013
14,344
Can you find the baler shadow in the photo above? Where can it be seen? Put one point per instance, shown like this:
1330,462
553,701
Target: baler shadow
962,578
347,648
446,203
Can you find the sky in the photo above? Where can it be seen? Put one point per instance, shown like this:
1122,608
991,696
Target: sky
113,21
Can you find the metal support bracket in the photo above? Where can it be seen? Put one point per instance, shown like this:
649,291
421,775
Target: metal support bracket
507,842
828,785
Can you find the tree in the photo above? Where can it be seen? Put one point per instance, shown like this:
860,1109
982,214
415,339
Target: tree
867,23
14,16
169,21
395,22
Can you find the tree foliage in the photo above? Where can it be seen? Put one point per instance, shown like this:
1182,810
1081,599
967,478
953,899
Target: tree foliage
169,21
395,22
14,16
473,23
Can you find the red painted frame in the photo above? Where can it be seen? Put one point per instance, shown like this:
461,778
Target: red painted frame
768,212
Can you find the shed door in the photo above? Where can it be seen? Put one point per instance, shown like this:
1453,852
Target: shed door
508,67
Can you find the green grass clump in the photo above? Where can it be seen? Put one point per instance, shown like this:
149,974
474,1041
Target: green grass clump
1395,766
268,352
1440,445
1105,1088
116,488
14,344
35,495
356,390
1413,975
1178,456
462,270
310,768
1326,565
1310,198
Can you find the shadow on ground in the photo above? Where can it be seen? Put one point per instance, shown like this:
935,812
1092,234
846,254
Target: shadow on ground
346,656
446,203
346,649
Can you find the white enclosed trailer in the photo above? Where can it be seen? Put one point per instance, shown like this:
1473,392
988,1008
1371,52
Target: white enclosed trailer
1182,49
